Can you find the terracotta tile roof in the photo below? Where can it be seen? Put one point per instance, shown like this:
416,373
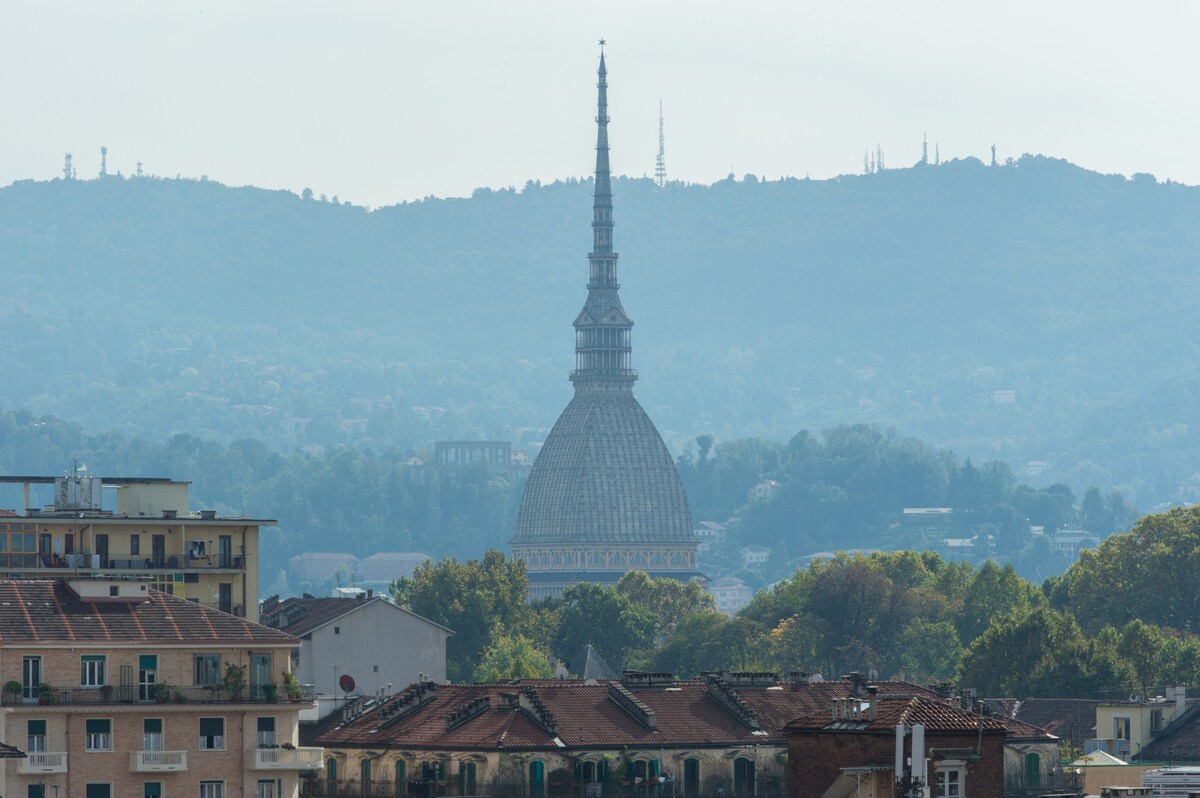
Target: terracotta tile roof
45,611
10,752
1071,719
586,715
936,715
8,514
309,613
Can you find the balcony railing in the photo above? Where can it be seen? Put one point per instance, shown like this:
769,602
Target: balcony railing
93,562
164,694
42,762
288,758
157,761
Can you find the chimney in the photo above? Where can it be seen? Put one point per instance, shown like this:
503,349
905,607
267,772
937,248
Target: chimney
872,698
1180,700
835,709
370,592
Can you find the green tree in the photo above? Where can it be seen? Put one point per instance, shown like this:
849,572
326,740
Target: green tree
608,620
512,657
929,650
474,599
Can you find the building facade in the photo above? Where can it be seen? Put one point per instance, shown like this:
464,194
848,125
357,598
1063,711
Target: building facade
116,689
603,496
378,645
151,534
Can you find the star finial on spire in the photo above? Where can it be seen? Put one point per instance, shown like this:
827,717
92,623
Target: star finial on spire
602,46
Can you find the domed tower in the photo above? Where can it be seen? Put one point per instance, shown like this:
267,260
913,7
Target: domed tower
603,497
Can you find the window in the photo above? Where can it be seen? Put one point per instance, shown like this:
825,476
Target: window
97,735
207,670
36,739
152,789
266,732
211,789
114,590
152,734
135,545
949,783
401,777
266,789
97,791
212,735
91,671
537,773
35,791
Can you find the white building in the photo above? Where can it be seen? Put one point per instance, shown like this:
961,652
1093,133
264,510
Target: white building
368,639
731,594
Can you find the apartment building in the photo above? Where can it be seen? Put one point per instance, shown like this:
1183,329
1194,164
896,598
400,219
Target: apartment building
114,688
147,531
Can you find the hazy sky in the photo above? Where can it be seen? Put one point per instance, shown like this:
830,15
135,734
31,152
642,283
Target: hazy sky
379,102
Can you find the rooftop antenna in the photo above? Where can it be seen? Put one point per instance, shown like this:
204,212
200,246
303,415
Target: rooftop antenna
660,165
924,148
993,155
937,155
139,168
103,161
68,172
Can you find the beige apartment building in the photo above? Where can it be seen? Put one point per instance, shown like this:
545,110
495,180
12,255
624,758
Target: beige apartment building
114,688
148,532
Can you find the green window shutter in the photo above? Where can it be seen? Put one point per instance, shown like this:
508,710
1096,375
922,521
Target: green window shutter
212,727
152,789
37,727
266,724
152,726
98,791
97,726
92,658
148,662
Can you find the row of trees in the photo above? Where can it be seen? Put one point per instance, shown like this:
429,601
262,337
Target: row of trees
904,613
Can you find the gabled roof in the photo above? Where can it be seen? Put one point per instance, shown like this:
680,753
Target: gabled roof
312,613
1178,742
586,714
1071,719
10,752
935,714
48,611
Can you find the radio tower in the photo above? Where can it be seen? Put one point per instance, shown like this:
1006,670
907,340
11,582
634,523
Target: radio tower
103,161
660,165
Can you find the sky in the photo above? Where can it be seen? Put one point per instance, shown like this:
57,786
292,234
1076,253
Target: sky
382,102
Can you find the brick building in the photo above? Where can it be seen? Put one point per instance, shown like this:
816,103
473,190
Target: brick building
116,689
849,749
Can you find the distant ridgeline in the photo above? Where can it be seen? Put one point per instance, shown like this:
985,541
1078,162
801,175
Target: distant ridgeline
1036,313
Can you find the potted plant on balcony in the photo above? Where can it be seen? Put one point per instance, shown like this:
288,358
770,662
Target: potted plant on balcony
106,691
12,691
162,692
234,681
291,686
270,692
45,693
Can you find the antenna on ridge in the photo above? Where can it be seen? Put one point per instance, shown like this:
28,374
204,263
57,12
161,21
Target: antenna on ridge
103,161
660,165
68,172
924,148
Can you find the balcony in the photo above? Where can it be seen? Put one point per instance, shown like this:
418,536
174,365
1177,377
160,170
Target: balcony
38,762
163,694
157,761
288,758
89,563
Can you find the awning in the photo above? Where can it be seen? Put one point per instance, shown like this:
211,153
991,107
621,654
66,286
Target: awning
964,754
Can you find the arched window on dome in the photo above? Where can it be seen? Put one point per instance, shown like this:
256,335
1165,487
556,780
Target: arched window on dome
658,560
637,560
678,560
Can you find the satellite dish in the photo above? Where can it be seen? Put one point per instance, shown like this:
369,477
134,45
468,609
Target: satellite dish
346,683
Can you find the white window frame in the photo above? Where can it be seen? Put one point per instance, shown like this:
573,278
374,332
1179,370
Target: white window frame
93,672
941,782
212,789
216,675
153,741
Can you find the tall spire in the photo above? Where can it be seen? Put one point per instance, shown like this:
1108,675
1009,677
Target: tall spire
603,340
660,165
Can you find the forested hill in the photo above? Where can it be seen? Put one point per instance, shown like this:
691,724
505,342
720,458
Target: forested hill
913,298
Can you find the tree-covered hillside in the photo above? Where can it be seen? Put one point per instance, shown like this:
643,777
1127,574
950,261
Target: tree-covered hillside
915,298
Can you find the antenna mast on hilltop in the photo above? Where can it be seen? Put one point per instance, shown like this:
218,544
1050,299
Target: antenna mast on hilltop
660,165
68,172
103,161
924,148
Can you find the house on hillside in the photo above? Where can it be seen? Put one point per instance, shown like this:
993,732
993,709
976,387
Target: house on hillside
367,638
730,593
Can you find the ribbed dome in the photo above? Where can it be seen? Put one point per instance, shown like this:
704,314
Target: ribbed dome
604,476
